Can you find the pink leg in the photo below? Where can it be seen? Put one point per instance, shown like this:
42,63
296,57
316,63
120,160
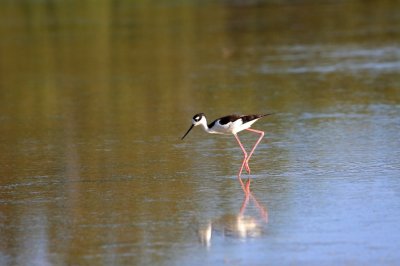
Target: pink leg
243,163
255,145
245,155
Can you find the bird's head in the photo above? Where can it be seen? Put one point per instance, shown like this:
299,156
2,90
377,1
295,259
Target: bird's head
197,119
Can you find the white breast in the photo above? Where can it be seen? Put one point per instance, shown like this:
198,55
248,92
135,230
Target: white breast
221,129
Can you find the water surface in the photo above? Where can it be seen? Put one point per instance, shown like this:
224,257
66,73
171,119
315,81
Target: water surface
95,97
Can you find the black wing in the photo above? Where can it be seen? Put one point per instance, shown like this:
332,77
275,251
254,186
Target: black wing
232,118
248,118
225,120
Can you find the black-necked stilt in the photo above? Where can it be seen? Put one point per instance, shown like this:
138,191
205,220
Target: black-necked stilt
231,124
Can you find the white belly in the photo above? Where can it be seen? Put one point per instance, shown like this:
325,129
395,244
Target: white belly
231,127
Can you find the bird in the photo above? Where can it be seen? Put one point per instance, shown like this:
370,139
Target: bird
231,124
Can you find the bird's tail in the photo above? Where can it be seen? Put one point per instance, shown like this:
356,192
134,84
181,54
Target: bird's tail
267,114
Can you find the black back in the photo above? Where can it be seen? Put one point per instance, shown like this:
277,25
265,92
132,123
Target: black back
232,118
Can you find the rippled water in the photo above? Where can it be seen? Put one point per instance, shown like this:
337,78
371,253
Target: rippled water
95,98
331,59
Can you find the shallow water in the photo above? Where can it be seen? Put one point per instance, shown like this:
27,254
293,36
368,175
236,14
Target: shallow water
94,100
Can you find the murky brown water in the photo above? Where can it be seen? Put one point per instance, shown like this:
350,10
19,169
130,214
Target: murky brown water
94,98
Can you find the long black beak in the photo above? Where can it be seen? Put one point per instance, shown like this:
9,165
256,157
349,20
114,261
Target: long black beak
187,132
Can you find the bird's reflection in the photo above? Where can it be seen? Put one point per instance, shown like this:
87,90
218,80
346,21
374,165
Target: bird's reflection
237,225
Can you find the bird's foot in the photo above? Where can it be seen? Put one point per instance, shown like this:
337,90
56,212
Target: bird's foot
247,168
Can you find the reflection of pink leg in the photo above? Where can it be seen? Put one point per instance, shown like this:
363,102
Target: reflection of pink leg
248,195
247,186
244,204
261,209
255,145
